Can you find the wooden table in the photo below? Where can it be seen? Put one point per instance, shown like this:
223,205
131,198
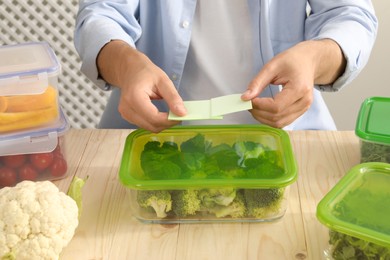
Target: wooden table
107,230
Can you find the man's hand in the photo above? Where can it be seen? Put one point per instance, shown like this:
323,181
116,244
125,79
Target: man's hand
296,70
140,82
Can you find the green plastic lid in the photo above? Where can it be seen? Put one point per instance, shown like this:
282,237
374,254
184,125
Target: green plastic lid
183,157
373,123
359,204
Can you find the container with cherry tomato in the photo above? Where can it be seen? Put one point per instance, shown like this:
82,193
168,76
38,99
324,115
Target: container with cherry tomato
34,155
33,167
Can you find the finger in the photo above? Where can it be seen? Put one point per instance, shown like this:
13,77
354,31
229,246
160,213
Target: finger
169,93
266,111
155,123
280,123
142,112
259,82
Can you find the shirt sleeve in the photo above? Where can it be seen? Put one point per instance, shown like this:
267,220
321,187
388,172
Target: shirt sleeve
98,23
352,24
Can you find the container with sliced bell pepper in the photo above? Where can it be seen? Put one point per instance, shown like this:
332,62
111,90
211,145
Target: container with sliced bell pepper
28,87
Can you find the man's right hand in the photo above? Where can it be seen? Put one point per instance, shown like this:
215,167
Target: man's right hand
140,82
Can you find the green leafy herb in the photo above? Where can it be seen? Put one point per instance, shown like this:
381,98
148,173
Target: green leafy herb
197,158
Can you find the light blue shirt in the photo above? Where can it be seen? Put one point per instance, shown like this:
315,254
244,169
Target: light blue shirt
162,30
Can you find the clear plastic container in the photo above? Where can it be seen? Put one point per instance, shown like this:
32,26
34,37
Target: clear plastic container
373,129
28,86
357,212
35,155
221,173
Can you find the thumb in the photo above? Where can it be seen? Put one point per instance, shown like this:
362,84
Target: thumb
173,100
178,108
258,83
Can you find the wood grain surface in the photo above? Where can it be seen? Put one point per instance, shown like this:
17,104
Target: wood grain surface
107,230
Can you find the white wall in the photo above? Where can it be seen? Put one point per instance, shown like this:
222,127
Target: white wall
374,79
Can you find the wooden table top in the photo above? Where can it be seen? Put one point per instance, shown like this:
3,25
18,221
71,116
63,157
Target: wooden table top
107,229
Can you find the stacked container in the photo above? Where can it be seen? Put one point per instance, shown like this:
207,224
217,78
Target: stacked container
373,129
32,125
357,213
193,174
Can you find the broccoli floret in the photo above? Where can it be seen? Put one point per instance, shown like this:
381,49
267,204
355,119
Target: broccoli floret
185,202
247,150
349,247
236,209
263,202
212,197
159,200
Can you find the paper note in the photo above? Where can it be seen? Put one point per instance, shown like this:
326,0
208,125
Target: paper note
214,108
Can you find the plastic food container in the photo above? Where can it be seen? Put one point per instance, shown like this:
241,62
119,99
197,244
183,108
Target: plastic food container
373,129
35,155
222,173
28,86
357,211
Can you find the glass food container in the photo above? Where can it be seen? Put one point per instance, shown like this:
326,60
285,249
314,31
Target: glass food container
219,173
356,211
28,86
38,154
373,129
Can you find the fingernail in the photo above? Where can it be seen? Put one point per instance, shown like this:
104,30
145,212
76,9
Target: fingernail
246,93
181,109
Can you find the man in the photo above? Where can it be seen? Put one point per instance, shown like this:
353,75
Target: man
279,54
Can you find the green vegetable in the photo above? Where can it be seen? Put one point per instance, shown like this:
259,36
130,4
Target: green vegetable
235,209
374,152
224,202
211,197
160,161
247,150
158,200
196,144
197,158
185,202
75,191
351,248
258,169
263,202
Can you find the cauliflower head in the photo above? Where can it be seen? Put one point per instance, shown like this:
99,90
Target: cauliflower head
36,221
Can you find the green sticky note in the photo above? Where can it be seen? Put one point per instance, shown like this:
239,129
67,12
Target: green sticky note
196,110
214,108
229,104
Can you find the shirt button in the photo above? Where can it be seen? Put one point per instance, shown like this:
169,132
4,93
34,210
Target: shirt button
185,24
174,77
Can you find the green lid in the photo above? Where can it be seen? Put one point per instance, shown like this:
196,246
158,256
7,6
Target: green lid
373,123
183,157
359,204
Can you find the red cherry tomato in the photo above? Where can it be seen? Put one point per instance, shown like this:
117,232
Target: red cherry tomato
14,161
57,151
58,167
8,177
41,161
27,172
